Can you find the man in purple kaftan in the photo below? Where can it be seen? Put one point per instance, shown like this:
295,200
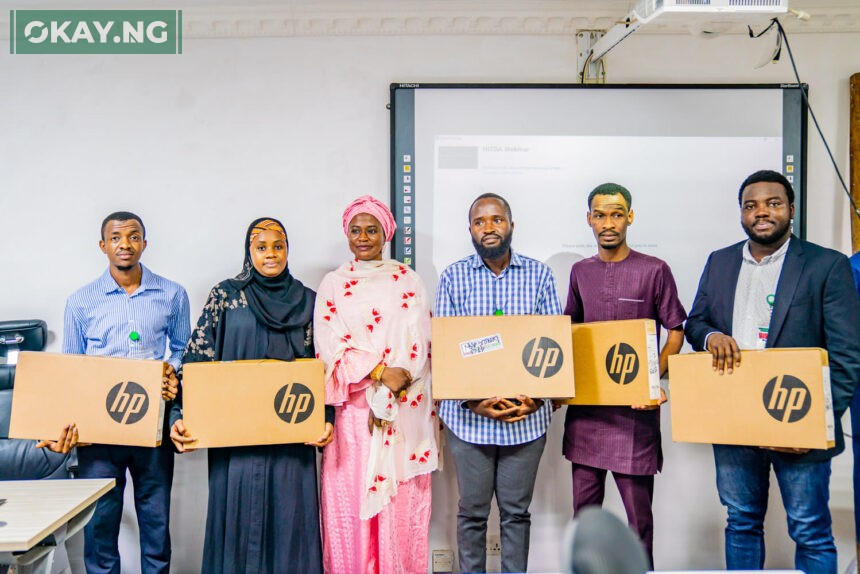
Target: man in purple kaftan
617,284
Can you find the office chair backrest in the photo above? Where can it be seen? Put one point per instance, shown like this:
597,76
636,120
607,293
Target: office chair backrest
597,542
19,459
18,336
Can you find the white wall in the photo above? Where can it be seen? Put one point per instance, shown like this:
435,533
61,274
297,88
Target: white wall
199,144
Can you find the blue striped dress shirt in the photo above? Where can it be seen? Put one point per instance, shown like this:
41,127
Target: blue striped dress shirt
469,288
101,316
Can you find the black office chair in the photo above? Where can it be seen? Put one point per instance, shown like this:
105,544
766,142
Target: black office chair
20,459
597,542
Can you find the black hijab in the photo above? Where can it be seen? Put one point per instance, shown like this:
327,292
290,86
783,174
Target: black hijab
281,304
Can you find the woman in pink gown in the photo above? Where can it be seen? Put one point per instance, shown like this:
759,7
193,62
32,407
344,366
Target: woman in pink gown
372,330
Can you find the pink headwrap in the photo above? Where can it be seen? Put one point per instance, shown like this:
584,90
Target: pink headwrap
374,207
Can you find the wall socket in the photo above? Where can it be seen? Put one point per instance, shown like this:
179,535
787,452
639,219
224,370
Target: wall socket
494,545
443,560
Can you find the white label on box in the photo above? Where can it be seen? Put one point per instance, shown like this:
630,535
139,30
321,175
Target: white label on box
829,424
653,361
482,345
158,433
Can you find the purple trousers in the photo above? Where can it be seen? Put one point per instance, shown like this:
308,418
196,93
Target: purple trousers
637,493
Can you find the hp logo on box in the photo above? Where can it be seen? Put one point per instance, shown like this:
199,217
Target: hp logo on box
622,363
787,399
542,357
127,403
294,403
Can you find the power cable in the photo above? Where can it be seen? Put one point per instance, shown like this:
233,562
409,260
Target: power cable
784,36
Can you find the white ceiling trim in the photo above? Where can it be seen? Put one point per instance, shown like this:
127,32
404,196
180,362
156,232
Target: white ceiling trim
398,21
536,17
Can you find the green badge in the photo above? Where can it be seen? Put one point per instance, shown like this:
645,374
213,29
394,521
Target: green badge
770,299
498,312
134,336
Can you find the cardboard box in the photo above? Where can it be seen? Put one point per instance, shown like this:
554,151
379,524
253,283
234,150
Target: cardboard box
243,403
112,400
616,363
481,357
778,397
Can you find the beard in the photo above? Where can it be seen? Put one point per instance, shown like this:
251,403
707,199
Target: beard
775,235
494,252
616,242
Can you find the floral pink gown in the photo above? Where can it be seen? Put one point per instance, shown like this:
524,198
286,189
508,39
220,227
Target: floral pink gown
375,493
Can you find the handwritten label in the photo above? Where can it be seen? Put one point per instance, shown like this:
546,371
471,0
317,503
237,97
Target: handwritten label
480,346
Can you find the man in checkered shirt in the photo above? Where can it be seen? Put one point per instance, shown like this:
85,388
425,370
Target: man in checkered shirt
496,442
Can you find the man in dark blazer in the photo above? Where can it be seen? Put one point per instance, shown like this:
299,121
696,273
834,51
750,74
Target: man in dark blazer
776,290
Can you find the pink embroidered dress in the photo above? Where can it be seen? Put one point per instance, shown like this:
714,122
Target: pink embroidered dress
375,494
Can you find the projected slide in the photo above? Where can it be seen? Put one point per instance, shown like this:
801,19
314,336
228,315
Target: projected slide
683,189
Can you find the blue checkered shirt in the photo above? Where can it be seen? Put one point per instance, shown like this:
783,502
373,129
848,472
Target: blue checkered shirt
469,288
101,315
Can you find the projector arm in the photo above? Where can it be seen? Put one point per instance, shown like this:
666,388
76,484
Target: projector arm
614,36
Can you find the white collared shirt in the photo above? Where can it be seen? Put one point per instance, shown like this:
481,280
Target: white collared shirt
755,295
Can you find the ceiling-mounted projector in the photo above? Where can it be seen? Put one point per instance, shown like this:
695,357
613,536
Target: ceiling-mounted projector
703,17
683,11
707,16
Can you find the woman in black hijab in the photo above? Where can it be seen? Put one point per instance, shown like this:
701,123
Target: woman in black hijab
263,514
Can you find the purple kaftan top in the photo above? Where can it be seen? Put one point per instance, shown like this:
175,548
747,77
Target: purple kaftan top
618,438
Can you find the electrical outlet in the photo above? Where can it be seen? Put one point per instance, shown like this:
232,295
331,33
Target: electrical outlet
443,560
494,545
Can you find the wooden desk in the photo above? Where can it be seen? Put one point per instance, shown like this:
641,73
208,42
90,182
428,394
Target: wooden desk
35,509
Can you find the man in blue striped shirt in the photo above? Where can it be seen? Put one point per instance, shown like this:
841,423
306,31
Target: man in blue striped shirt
496,442
127,312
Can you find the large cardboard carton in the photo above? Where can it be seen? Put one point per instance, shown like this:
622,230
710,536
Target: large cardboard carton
481,357
243,403
616,363
112,400
777,397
